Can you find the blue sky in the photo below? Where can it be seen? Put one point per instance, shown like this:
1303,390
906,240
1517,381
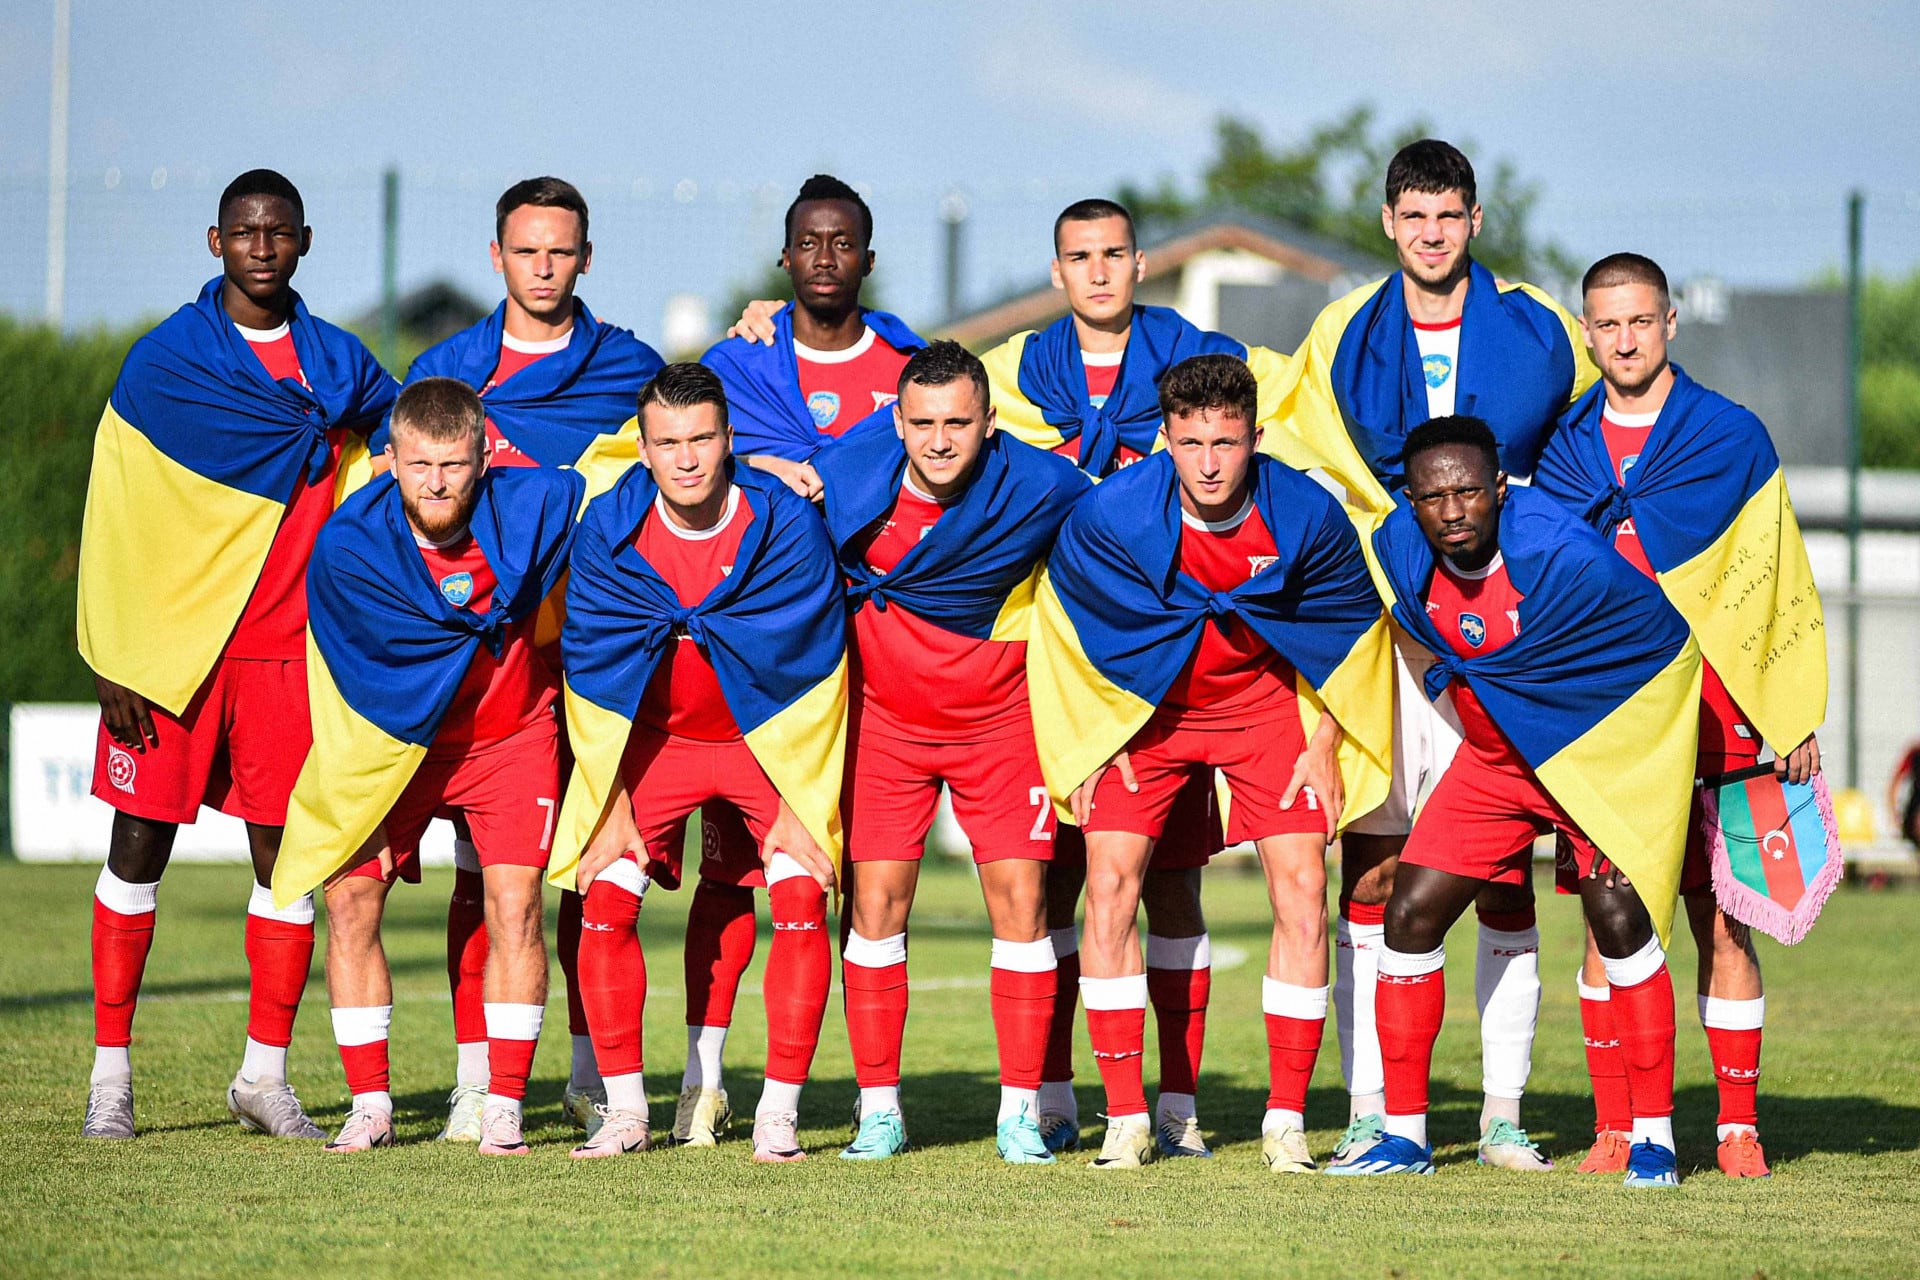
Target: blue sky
1721,138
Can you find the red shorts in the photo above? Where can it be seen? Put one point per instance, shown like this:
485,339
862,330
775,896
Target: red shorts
505,794
1189,837
669,777
1258,763
1481,821
999,796
238,747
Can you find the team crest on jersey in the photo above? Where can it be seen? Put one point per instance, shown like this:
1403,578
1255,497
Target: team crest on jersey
1257,565
121,768
457,588
1626,464
1437,369
824,406
1473,629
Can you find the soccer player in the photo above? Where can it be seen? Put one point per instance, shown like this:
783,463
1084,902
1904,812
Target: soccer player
425,593
231,429
1563,661
940,526
1671,471
706,661
1191,602
1439,335
559,385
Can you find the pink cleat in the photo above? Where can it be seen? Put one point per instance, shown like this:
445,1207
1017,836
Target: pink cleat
776,1139
500,1132
617,1134
364,1130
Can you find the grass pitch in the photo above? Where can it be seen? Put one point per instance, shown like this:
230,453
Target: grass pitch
1840,1114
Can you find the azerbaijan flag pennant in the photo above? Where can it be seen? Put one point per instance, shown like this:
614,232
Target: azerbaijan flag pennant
1775,849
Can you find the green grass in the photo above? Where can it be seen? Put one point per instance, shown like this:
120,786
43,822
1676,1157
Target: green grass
194,1196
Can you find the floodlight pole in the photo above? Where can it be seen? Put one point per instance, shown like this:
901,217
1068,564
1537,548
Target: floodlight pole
57,165
1856,205
390,269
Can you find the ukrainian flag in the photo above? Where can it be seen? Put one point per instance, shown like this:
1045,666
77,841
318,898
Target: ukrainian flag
1599,692
1359,387
1709,502
1115,621
775,631
1039,384
386,651
197,456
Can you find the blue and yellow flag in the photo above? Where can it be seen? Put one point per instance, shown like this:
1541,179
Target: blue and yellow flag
1598,692
1359,387
386,651
197,456
1116,620
573,408
974,572
1039,384
775,631
764,401
1709,502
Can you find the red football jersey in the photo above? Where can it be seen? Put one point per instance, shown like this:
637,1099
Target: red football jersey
920,681
515,355
273,626
1233,679
1103,374
684,696
842,387
1626,437
499,696
1476,613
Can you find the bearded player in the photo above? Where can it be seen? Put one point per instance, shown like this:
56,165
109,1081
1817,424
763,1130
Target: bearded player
217,460
940,526
1439,335
1653,450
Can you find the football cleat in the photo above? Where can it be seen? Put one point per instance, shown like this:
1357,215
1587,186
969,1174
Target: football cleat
1059,1132
776,1138
882,1136
583,1107
1018,1140
1179,1136
701,1117
364,1130
463,1113
1284,1150
1651,1165
1742,1157
1128,1144
269,1106
1505,1145
1361,1134
1392,1154
1608,1153
618,1133
500,1132
109,1109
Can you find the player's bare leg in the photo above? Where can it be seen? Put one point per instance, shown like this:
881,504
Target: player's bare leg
874,981
1733,1011
516,1000
360,989
124,900
279,956
1059,1108
1022,982
1506,988
1294,992
1179,984
1113,987
1367,866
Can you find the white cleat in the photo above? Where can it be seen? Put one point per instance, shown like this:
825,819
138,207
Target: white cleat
1128,1145
1284,1150
109,1109
268,1106
701,1117
619,1133
1179,1136
463,1113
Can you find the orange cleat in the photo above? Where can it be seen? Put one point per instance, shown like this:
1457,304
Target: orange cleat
1608,1154
1741,1156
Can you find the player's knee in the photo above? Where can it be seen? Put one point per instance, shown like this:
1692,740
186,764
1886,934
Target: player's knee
353,914
1619,922
1411,926
138,848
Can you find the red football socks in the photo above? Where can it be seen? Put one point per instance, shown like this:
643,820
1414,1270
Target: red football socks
873,979
1020,984
1117,1028
720,938
1408,1009
1179,995
120,946
467,956
567,944
1606,1065
1643,1020
613,977
1058,1064
799,972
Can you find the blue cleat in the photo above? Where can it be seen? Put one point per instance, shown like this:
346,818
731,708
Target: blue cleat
1651,1165
882,1136
1059,1132
1392,1154
1019,1140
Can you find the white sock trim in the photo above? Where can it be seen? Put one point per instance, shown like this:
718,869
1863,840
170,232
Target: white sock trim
1195,952
1654,1129
465,856
783,866
625,873
1284,1000
1024,957
874,953
1066,942
379,1100
124,897
1361,937
356,1025
1631,971
627,1092
1733,1015
1129,992
514,1021
260,903
1603,994
1412,964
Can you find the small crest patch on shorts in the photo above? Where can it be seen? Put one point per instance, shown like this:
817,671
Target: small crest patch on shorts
121,768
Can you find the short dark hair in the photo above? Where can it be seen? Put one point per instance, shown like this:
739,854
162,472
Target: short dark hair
682,386
441,409
942,363
1214,381
263,182
1431,167
1093,210
545,193
824,186
1456,429
1626,268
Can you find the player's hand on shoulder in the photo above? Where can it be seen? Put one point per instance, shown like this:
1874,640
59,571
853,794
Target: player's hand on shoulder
1800,764
126,714
797,476
1081,801
790,836
756,321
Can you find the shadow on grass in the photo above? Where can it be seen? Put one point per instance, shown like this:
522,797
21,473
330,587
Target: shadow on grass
234,984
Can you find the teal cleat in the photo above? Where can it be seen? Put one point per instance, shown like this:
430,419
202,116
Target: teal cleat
1019,1140
1363,1132
1505,1145
882,1136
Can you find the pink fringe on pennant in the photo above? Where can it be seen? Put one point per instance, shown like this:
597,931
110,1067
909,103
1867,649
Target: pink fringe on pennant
1757,910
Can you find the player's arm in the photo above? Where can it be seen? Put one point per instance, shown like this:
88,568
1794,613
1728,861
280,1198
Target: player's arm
756,321
1081,801
1801,763
790,836
618,835
128,718
797,476
1318,769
